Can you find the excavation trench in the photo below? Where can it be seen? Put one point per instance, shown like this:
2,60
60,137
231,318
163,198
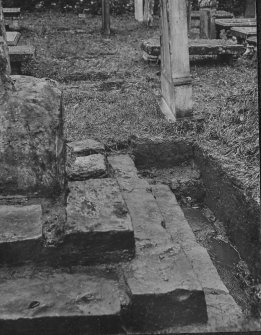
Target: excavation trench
223,220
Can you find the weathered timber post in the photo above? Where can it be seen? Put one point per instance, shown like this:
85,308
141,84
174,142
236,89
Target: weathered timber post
106,17
148,12
189,7
208,10
176,88
5,60
139,10
258,11
250,10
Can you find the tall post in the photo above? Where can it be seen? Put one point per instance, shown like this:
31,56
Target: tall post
189,8
258,11
176,88
5,60
139,10
106,17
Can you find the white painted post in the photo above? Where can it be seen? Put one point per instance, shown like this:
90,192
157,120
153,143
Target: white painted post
176,80
139,11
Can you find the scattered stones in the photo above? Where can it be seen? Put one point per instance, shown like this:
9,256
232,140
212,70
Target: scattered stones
20,233
86,147
87,167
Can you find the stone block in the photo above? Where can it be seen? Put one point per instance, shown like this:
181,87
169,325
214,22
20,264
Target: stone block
88,167
32,154
60,303
98,222
20,233
86,147
164,292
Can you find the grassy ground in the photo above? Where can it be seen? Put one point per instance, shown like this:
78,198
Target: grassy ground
111,94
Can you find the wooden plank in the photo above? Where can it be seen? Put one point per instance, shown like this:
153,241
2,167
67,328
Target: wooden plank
12,38
229,23
243,32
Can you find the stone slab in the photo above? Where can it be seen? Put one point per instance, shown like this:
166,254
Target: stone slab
98,222
164,292
86,147
60,303
198,47
229,23
20,233
21,53
163,287
243,32
12,38
88,167
180,230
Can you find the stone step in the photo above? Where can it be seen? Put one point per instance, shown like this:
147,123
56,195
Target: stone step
170,270
98,226
163,287
12,38
47,302
20,233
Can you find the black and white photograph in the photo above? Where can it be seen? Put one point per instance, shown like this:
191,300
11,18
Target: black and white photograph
130,167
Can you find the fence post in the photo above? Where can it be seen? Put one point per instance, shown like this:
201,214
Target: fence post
176,85
106,17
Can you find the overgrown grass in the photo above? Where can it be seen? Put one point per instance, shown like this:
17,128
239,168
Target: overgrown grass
111,94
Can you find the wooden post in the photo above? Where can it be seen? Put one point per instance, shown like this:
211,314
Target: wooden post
106,17
189,7
176,85
250,11
148,11
139,12
5,68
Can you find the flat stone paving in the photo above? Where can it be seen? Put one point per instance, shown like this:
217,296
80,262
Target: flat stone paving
20,232
86,147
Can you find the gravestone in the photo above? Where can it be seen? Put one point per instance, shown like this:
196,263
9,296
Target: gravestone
176,85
